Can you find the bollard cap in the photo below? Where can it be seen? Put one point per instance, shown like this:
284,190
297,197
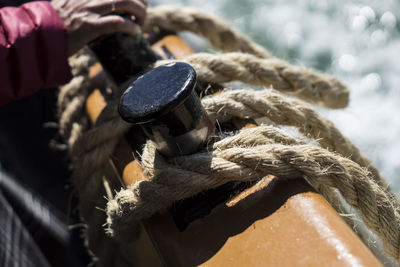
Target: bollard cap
157,92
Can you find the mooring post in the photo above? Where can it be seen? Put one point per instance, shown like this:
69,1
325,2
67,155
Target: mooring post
164,103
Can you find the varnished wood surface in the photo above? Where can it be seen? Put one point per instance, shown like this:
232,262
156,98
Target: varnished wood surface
179,49
282,223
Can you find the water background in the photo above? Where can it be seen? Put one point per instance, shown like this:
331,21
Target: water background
356,41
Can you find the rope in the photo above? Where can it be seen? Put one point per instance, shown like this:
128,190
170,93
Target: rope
299,81
74,127
216,31
72,97
178,178
290,112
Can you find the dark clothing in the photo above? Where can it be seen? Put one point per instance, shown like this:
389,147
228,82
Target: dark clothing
17,248
32,231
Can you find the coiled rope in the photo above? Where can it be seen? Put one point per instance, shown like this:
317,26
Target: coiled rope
304,83
335,164
220,35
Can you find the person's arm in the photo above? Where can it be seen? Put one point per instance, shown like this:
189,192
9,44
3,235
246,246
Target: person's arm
37,37
33,50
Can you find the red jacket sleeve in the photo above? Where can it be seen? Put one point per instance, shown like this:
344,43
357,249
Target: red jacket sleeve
33,50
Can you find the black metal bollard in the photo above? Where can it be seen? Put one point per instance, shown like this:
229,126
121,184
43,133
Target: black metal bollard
163,101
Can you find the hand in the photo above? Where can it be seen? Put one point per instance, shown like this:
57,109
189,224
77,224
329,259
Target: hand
88,19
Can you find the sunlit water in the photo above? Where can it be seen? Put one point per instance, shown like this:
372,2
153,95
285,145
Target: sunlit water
358,42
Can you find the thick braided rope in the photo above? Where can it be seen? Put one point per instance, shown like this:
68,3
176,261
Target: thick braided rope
72,97
287,111
74,127
269,135
304,83
216,31
178,178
